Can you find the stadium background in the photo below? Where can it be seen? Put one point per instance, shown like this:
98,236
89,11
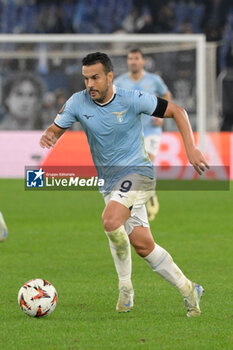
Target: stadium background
56,247
57,74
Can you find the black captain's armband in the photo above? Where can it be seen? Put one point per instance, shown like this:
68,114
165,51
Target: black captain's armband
160,108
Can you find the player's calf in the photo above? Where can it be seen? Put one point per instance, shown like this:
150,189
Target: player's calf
142,240
120,241
121,253
162,263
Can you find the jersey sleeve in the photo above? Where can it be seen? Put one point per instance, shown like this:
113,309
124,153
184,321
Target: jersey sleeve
144,102
66,116
160,86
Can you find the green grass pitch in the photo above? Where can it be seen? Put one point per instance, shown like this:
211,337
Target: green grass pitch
58,236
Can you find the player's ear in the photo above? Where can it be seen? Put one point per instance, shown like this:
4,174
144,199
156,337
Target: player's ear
110,76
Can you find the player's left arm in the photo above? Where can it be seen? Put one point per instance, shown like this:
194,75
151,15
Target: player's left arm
167,96
166,109
159,121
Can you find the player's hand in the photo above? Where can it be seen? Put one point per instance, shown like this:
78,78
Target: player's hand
48,139
198,161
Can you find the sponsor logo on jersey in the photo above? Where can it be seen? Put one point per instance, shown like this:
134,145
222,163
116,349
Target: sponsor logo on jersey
88,116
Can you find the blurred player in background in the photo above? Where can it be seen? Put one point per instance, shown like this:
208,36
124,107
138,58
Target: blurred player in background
138,79
111,119
3,229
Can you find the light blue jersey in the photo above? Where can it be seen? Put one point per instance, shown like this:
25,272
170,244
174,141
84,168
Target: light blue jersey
150,83
114,132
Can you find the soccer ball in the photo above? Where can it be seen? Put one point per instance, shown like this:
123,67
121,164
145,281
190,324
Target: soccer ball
37,298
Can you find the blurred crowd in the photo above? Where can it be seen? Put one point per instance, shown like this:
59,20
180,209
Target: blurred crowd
212,17
148,16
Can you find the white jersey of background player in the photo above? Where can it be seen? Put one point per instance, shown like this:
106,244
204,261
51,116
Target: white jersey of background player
139,79
124,217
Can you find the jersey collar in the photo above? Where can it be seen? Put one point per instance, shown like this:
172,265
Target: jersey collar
109,101
137,81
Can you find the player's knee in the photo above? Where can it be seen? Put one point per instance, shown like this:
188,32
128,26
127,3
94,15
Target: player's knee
143,250
110,223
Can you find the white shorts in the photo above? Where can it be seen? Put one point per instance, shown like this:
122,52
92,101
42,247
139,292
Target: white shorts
133,191
152,144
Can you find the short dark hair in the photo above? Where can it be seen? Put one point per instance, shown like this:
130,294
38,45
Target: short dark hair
135,50
98,57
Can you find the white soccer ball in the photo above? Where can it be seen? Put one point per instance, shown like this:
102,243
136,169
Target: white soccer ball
37,298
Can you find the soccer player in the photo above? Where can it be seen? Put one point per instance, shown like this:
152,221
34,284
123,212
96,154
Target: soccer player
111,119
138,79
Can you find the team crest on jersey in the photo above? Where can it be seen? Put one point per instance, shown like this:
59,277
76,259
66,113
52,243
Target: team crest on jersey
119,115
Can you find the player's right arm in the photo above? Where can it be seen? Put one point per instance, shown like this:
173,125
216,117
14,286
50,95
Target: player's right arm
50,136
64,120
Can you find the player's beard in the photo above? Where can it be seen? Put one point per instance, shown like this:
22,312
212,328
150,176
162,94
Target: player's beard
134,69
103,94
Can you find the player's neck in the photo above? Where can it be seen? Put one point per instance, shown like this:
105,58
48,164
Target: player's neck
109,97
136,76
